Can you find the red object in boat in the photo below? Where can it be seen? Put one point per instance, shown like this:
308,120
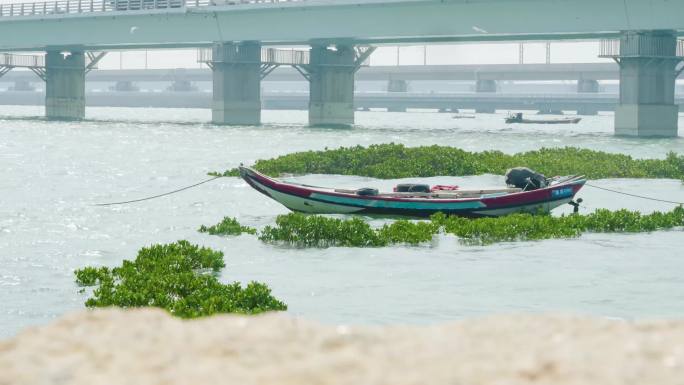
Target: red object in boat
441,187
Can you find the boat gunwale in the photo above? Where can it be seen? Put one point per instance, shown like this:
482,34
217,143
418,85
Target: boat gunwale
572,180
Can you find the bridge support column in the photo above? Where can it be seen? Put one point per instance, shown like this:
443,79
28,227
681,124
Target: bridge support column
182,85
237,83
125,86
485,86
587,86
397,85
648,62
331,86
22,85
65,85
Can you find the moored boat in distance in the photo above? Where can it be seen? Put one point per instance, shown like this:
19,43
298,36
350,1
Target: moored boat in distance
419,200
518,118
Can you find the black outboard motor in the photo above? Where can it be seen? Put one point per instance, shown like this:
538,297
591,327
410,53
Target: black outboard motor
525,178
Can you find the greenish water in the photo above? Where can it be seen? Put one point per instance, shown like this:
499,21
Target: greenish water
53,173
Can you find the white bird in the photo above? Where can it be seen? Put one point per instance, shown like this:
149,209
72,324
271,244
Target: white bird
478,29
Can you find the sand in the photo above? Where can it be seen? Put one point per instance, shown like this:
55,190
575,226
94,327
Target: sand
147,346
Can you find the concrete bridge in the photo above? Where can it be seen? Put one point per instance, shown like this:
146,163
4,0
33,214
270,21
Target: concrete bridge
390,101
497,72
647,48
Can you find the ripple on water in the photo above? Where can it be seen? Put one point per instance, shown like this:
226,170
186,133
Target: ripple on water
53,172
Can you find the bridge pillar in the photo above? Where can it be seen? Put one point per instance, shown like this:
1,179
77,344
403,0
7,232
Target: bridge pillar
647,81
397,85
331,86
22,85
587,86
125,86
236,83
485,85
65,85
182,85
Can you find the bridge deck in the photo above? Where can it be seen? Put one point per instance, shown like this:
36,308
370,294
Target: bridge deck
66,7
141,24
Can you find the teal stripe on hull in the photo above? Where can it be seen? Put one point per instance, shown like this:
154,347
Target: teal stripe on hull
373,203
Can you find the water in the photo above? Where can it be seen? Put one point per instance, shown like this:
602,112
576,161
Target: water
53,173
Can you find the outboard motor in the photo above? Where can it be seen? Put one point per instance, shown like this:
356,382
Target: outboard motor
525,178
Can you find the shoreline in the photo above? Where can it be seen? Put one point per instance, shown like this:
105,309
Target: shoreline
149,346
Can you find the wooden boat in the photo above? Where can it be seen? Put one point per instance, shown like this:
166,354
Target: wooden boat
518,118
368,201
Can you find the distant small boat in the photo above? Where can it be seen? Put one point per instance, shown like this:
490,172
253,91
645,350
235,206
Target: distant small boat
417,200
518,118
463,116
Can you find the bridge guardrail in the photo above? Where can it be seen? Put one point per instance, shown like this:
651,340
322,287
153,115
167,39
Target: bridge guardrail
277,56
611,48
63,7
27,61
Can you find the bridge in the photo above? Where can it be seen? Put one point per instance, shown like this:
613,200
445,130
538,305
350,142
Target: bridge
590,104
641,36
497,72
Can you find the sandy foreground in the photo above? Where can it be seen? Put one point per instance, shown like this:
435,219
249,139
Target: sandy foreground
150,347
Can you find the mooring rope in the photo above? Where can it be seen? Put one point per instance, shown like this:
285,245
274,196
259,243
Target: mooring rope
634,195
160,195
221,176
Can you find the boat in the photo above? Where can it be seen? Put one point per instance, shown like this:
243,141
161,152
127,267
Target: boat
518,118
417,201
463,117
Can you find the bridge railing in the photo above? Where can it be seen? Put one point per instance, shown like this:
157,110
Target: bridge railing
611,48
27,61
278,56
61,7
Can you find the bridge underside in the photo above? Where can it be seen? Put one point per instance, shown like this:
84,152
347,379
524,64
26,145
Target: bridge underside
315,22
647,78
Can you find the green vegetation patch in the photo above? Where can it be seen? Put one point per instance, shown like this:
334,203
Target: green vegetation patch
320,231
228,226
393,161
317,231
179,277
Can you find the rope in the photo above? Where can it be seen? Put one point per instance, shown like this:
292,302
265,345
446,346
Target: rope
634,195
217,177
160,195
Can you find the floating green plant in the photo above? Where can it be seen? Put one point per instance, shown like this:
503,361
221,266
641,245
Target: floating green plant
318,231
228,226
179,277
391,161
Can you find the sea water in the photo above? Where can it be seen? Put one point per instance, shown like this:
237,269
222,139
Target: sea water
53,174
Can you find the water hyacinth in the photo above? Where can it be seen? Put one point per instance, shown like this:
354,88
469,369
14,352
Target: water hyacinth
228,226
408,232
179,277
393,161
318,231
